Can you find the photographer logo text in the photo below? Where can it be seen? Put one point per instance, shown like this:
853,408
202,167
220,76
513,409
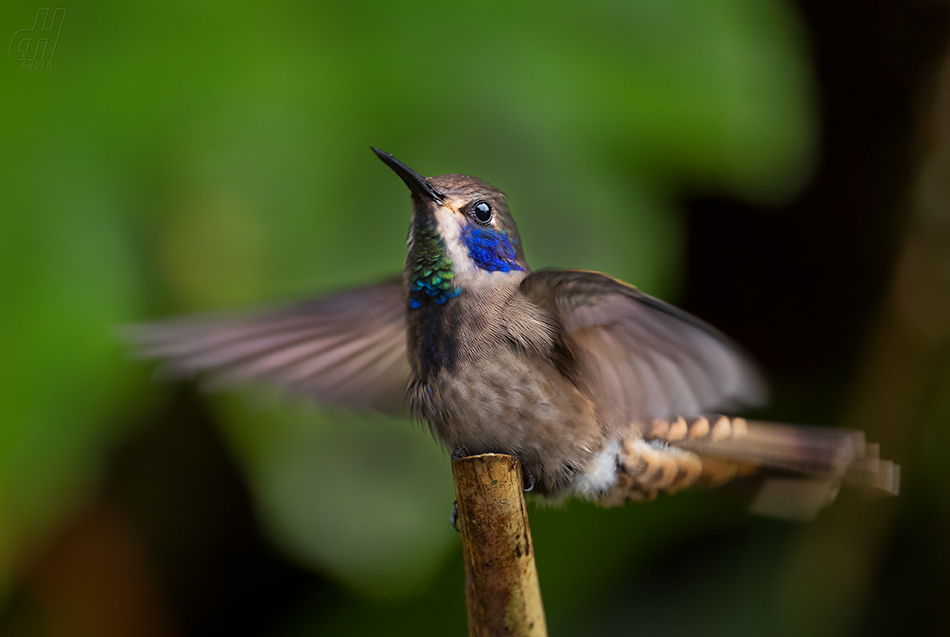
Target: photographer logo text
33,48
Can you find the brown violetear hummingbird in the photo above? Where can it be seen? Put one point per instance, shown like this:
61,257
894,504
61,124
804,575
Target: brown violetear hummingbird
602,392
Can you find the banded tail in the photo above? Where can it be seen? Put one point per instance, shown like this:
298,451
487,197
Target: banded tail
808,464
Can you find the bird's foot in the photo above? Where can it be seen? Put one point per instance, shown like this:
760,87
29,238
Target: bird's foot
459,453
454,518
526,477
529,479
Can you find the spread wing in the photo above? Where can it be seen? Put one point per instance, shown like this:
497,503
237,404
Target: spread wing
346,349
644,359
649,363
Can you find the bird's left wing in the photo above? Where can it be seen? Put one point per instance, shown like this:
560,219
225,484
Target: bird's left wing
345,349
646,359
661,370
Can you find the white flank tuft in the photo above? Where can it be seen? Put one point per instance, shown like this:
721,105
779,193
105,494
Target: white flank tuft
601,475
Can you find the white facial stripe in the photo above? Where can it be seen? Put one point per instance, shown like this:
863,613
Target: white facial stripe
450,227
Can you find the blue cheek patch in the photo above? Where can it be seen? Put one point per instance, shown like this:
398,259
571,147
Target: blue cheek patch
490,249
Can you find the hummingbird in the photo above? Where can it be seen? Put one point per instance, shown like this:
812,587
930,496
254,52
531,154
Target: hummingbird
603,392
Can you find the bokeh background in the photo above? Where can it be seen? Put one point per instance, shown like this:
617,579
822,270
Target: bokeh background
780,168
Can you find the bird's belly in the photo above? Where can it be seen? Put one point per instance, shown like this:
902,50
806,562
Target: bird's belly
505,403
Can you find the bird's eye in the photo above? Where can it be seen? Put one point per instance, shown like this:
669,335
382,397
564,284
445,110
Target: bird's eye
482,212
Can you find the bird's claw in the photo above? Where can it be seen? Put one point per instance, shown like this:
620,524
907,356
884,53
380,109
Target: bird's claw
454,518
531,482
459,453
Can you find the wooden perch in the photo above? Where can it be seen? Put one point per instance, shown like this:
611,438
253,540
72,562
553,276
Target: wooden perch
501,582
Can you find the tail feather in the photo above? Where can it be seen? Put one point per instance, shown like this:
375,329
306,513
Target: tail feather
812,461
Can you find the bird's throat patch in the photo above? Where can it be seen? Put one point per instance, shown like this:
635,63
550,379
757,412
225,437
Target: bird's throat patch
431,271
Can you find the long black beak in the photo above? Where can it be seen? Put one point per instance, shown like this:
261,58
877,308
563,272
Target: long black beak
414,180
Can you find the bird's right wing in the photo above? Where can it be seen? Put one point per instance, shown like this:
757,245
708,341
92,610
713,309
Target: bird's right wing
345,349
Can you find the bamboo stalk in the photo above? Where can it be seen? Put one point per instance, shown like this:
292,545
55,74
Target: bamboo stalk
502,594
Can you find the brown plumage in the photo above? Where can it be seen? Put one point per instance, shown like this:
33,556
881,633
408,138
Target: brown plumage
603,391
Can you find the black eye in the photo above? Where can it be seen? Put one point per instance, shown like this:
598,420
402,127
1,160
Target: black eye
482,212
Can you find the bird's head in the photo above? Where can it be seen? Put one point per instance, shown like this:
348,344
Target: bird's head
461,236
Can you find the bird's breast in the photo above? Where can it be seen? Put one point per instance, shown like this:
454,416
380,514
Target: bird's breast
433,339
485,380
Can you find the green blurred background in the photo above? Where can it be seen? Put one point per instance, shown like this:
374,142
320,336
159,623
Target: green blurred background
776,167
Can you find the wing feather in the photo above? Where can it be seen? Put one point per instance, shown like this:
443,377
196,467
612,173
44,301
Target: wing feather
648,359
347,349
